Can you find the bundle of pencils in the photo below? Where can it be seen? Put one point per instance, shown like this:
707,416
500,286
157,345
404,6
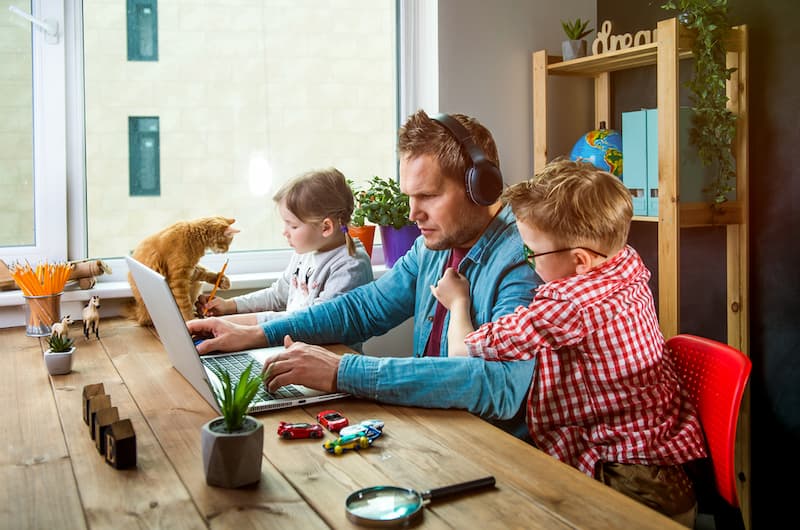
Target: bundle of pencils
46,280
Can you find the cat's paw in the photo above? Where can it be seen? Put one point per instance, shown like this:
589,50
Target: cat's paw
224,283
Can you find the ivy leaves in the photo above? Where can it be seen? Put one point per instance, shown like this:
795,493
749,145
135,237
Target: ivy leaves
713,126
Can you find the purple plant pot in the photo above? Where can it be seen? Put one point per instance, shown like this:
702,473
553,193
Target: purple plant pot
397,241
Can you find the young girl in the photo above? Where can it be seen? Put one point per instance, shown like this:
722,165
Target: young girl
315,208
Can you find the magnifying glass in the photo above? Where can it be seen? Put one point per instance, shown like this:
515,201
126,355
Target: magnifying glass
395,506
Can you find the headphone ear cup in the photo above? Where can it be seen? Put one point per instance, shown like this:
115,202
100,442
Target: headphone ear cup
484,182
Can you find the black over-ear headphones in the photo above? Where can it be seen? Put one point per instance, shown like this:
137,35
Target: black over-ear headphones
483,179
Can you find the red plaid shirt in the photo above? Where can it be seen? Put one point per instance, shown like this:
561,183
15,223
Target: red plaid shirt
603,390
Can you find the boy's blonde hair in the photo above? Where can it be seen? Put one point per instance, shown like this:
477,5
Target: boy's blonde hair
320,194
575,203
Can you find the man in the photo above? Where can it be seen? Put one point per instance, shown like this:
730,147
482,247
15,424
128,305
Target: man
448,168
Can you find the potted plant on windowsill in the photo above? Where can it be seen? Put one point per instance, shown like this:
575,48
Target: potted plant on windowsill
383,204
58,356
233,442
576,45
358,228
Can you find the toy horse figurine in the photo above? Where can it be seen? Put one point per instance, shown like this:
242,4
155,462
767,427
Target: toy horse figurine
91,317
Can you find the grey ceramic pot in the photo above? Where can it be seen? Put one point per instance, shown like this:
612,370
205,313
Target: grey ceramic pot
232,460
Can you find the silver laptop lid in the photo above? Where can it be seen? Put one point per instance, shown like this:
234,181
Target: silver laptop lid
171,327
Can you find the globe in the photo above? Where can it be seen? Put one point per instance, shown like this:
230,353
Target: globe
602,148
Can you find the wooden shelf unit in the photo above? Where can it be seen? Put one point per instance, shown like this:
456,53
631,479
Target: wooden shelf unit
673,43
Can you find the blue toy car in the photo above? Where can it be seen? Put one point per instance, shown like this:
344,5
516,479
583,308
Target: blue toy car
354,441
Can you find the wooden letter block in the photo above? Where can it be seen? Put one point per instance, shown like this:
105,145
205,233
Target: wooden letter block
88,392
103,419
96,403
121,444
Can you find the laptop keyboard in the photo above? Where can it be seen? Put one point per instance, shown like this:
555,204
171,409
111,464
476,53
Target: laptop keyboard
237,363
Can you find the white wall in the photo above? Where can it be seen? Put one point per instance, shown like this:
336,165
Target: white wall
485,71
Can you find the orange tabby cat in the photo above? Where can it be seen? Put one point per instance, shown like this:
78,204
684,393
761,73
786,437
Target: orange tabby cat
175,253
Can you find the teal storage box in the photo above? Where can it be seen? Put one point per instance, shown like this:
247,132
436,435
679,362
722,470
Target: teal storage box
634,158
694,177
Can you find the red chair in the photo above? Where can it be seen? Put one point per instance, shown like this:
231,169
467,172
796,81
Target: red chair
713,375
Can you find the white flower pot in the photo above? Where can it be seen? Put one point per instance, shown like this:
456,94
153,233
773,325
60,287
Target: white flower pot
59,363
232,460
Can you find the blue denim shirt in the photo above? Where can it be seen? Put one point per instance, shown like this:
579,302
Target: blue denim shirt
500,281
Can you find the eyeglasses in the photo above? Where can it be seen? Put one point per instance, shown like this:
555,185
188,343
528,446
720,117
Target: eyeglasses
530,256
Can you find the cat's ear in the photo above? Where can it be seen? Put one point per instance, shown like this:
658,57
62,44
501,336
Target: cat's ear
230,231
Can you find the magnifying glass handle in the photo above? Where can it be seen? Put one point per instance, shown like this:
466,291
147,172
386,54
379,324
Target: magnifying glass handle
438,493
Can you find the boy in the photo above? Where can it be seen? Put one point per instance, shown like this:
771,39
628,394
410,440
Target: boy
604,398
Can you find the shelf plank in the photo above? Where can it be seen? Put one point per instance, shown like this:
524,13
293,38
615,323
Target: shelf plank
643,55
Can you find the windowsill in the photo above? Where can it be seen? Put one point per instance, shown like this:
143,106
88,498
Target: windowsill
72,301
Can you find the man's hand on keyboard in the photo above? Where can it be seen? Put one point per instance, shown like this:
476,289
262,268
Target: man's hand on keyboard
301,364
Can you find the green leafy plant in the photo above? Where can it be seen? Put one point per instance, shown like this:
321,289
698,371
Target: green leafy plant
713,125
381,203
576,30
59,343
234,398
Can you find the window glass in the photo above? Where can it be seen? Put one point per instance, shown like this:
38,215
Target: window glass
248,94
16,129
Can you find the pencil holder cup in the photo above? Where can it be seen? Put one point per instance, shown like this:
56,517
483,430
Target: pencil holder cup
41,312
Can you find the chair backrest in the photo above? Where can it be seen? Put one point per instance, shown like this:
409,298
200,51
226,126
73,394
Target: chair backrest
714,375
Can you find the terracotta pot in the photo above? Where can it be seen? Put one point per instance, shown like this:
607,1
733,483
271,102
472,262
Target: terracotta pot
232,460
365,234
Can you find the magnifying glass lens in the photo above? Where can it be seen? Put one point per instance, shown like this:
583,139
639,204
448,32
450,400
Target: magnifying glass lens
383,503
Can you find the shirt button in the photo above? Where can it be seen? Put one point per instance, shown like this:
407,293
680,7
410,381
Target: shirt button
430,319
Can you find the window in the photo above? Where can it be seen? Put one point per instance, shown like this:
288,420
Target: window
247,95
142,22
143,160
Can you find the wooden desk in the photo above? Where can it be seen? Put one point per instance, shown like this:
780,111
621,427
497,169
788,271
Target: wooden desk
53,477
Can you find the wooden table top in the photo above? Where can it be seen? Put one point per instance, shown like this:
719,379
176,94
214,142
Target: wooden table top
53,477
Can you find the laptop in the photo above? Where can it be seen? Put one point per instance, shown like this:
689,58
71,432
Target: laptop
195,368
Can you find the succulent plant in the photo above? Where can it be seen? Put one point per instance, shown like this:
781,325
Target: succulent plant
234,398
59,343
576,30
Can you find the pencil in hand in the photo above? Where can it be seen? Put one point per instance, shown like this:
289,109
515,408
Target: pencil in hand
216,286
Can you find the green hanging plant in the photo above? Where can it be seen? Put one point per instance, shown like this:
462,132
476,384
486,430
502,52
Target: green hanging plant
713,125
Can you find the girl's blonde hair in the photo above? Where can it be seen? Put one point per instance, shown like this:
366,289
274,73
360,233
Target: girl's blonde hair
575,203
317,195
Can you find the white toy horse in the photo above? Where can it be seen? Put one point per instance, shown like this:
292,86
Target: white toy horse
91,317
61,328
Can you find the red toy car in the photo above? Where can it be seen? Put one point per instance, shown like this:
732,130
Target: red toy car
290,431
332,420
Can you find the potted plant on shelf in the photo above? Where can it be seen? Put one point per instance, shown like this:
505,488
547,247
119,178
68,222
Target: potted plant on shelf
383,204
233,442
58,356
576,45
713,124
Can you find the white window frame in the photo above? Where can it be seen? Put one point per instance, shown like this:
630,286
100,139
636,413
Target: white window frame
49,148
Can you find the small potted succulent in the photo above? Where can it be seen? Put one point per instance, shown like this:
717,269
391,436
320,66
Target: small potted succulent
232,444
382,203
576,45
58,356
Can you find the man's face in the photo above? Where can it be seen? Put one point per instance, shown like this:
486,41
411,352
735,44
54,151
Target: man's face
444,214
